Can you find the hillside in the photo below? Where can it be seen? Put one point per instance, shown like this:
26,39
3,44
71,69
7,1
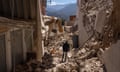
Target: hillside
63,11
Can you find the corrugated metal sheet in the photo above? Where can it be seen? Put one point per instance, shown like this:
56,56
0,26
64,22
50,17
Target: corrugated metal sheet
2,54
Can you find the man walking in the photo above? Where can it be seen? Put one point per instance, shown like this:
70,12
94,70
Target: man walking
66,48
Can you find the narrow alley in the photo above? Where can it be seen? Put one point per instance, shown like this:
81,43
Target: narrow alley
59,36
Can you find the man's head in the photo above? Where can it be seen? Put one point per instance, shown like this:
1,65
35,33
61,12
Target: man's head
66,41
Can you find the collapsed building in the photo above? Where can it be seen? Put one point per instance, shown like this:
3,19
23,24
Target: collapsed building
18,30
99,19
23,28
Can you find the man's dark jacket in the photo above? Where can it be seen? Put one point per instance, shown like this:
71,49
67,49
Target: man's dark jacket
66,47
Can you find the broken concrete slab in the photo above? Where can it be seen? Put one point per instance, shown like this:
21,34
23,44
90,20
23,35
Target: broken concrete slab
91,17
83,36
100,20
112,58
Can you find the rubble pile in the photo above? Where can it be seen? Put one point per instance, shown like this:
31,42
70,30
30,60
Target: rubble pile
90,9
87,59
96,15
92,5
68,67
28,67
35,66
47,61
92,65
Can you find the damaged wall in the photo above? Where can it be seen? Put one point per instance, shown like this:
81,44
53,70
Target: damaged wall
91,18
114,19
88,16
112,56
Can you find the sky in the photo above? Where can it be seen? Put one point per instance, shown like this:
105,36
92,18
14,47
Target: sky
59,2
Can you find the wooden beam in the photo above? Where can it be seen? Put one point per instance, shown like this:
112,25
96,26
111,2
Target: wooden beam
40,51
24,45
8,51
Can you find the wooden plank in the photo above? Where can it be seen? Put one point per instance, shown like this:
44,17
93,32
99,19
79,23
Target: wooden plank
40,50
24,45
8,51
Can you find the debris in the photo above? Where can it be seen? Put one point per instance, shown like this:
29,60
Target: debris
89,15
112,58
92,65
88,57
